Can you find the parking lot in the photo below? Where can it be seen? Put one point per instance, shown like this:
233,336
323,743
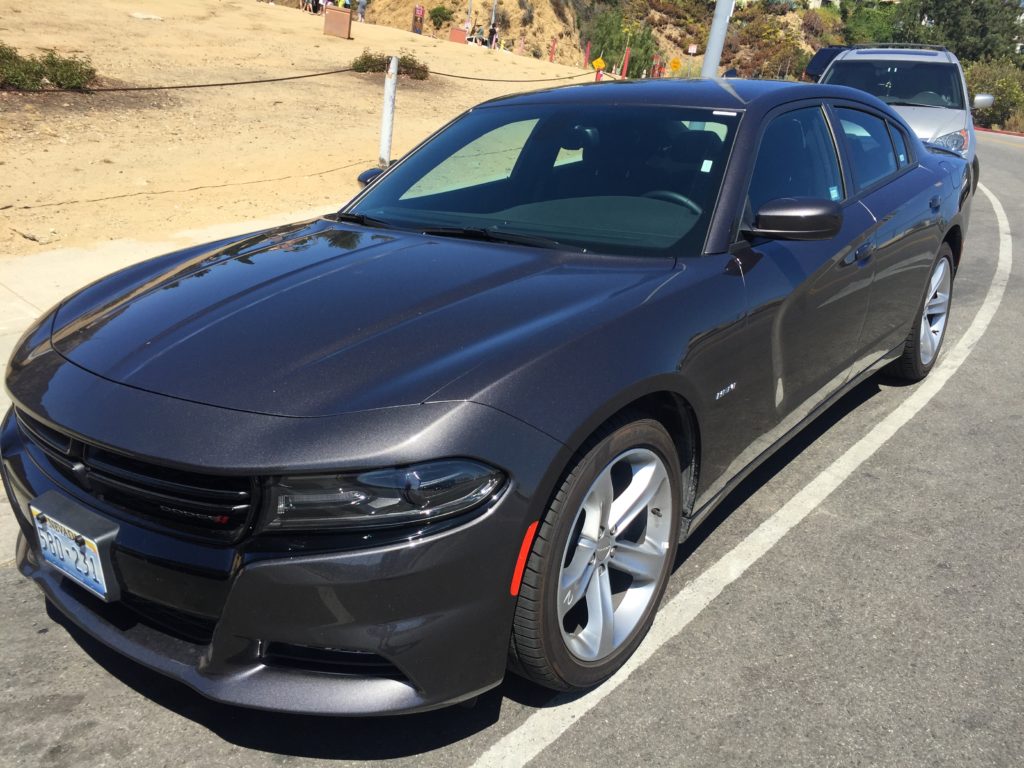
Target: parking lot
859,600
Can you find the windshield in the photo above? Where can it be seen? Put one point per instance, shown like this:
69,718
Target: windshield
606,178
902,83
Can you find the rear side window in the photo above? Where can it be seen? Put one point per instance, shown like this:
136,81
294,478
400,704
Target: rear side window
899,141
871,150
796,158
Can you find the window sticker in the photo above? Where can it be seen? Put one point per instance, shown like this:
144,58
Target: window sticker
705,166
833,193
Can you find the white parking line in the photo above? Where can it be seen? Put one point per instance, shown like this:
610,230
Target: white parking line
544,726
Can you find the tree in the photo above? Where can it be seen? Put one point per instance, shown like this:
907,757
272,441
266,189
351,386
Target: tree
972,29
610,33
440,15
870,24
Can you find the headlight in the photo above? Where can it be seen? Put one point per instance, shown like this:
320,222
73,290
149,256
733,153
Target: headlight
382,497
957,141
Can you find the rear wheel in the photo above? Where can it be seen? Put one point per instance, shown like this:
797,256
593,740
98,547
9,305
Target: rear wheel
929,329
601,559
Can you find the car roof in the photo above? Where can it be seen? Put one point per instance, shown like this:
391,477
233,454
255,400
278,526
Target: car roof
897,54
711,93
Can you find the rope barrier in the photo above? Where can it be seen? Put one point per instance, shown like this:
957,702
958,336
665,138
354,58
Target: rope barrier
496,80
144,193
123,89
227,84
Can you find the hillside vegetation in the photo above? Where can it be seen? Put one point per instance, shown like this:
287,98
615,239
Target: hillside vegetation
766,38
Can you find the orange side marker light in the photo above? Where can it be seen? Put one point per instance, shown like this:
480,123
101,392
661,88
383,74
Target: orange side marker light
524,552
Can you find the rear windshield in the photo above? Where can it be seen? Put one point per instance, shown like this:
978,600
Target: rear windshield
902,83
605,178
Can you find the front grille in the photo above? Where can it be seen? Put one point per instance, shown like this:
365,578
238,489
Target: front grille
206,506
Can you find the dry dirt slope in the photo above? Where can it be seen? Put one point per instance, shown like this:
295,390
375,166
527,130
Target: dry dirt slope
532,23
80,169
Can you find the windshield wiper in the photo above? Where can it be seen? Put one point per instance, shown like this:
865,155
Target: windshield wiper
359,218
494,235
914,104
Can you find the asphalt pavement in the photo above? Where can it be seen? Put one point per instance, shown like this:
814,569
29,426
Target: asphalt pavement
882,625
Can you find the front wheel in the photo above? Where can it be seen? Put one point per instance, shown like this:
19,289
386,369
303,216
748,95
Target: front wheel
929,329
601,559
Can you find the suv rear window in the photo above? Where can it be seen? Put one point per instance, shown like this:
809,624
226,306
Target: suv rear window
902,83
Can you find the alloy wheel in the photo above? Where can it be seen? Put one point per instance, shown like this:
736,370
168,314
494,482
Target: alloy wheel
936,311
615,556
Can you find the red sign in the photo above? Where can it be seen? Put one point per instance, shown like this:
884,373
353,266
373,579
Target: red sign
419,11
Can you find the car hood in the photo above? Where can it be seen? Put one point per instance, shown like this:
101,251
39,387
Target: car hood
931,122
322,318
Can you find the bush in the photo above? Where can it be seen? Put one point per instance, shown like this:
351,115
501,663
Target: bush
1004,80
439,15
1015,122
408,64
29,73
68,72
411,66
527,7
821,28
367,61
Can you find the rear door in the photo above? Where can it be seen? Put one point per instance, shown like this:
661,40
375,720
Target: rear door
904,199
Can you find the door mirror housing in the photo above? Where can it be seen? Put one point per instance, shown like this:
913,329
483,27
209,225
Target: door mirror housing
797,218
984,100
368,175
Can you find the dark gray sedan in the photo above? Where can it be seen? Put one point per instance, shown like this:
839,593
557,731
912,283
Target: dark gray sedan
367,463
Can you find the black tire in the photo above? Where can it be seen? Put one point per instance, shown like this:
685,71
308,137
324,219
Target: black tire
913,364
539,651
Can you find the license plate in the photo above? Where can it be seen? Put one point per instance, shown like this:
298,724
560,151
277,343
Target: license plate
75,555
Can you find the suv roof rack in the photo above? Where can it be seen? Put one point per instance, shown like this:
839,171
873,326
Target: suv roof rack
902,45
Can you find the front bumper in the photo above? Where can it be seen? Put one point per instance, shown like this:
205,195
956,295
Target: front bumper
433,613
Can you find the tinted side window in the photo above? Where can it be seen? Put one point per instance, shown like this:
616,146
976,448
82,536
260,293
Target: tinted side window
797,158
871,150
899,140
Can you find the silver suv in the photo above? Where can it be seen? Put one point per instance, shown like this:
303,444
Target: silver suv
925,84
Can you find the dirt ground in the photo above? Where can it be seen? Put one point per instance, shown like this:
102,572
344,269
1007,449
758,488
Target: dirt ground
81,169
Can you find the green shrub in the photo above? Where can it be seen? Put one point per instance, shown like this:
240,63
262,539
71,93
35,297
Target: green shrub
411,66
367,61
29,73
408,64
440,15
22,73
1004,80
68,72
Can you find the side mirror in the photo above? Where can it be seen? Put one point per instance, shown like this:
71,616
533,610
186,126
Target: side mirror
368,175
797,218
984,100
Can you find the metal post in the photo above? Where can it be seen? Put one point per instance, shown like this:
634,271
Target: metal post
387,122
716,38
625,64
